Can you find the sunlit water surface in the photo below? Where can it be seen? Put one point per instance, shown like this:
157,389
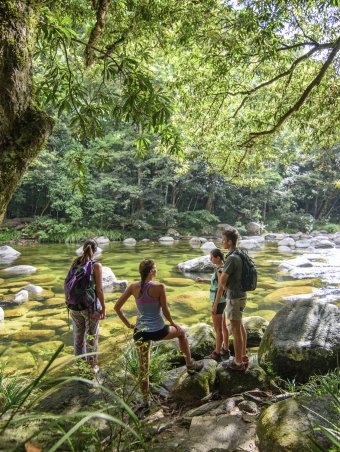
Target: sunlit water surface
42,322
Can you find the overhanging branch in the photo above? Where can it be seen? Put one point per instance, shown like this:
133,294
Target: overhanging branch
103,6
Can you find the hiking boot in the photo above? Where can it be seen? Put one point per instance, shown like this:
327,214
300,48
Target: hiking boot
231,365
214,355
194,367
225,354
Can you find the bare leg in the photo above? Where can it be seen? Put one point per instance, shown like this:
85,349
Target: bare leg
244,339
143,350
183,342
238,340
217,319
225,333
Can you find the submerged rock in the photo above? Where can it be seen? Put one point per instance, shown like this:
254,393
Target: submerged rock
290,425
21,269
302,339
34,289
189,388
21,296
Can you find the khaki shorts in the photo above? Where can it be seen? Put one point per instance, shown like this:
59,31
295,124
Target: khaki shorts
235,308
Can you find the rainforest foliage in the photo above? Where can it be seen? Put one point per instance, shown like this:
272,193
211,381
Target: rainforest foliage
231,108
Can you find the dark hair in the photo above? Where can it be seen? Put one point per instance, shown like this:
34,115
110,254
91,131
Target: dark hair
145,268
89,248
217,253
232,234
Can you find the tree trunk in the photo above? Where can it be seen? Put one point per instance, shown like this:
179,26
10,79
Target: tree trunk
23,127
211,196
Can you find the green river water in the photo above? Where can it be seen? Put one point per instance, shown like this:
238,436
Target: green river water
33,330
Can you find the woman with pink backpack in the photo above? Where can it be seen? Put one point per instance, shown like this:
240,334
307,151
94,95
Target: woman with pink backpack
85,301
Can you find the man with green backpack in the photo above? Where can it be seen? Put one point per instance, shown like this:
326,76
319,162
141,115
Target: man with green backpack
238,276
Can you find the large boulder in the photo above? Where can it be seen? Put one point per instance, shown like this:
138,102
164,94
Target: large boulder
166,239
226,432
249,245
253,228
288,241
255,327
208,246
303,243
130,241
322,243
201,264
21,270
197,241
102,240
289,425
273,237
302,339
108,277
229,382
173,233
201,340
8,254
194,387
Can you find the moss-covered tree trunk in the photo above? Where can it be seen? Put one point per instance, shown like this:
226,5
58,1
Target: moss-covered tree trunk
23,127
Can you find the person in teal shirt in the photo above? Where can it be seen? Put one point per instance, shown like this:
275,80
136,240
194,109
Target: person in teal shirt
218,306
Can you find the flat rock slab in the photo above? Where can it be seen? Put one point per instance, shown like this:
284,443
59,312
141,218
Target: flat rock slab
21,270
225,433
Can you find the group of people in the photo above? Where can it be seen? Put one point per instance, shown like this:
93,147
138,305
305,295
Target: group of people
227,298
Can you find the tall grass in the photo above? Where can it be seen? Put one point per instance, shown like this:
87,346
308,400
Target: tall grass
20,403
325,385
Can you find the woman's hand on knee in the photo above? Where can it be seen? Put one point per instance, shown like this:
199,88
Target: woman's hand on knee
179,329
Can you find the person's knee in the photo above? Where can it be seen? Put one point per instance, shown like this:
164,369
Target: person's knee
182,335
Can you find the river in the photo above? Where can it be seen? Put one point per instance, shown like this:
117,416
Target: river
34,329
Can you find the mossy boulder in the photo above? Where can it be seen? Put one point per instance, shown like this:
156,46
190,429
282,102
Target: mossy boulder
190,388
289,425
255,327
229,382
201,340
302,339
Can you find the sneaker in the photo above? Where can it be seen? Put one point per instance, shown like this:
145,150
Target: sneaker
225,353
235,367
194,367
214,355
